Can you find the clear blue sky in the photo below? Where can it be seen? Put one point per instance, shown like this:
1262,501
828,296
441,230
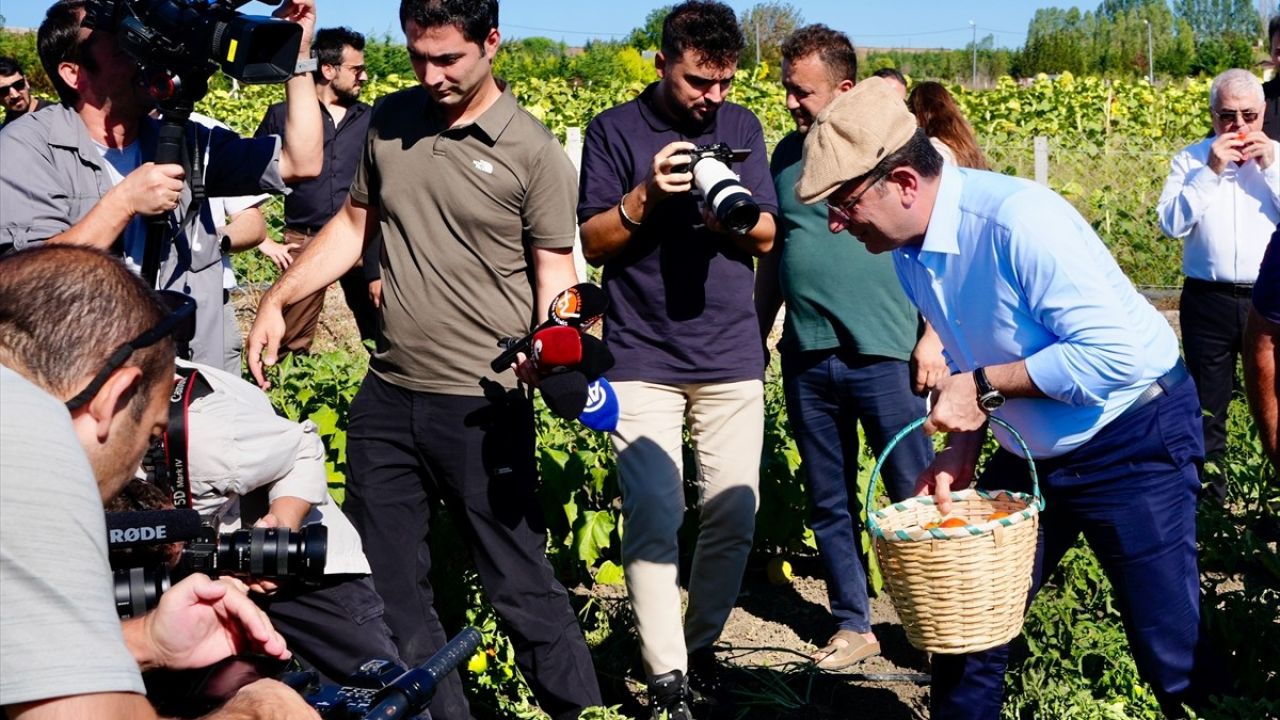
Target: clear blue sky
923,23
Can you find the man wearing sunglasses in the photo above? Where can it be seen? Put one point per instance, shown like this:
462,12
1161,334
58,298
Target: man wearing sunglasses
80,172
15,92
86,369
1045,332
1222,199
312,203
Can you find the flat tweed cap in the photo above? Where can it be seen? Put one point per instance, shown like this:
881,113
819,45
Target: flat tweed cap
851,135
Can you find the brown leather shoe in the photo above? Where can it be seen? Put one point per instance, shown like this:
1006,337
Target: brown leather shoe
844,649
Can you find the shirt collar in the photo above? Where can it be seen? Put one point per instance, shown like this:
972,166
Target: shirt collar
944,222
498,116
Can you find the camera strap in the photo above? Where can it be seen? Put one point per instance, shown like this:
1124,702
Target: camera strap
190,385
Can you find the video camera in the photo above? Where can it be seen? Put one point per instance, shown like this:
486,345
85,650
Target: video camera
721,188
180,43
267,553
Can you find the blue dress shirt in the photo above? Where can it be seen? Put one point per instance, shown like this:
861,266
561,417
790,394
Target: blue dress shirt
1009,271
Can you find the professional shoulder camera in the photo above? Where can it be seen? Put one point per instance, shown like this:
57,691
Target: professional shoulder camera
180,43
721,188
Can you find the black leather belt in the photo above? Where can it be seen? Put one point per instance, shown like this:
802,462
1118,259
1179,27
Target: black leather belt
1161,387
1224,288
304,230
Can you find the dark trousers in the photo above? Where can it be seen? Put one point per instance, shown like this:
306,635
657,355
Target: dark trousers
1213,317
334,628
302,318
409,451
1132,491
828,393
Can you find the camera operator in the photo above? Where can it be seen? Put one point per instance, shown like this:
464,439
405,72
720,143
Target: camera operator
79,173
238,446
80,333
683,328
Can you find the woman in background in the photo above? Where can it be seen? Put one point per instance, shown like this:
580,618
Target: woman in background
952,136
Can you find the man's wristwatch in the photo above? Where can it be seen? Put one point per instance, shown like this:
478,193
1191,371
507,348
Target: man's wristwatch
989,398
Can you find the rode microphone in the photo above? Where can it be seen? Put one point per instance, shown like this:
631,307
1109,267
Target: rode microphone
601,410
152,527
565,393
577,307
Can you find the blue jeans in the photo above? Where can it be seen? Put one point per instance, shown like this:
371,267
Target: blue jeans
828,393
1131,490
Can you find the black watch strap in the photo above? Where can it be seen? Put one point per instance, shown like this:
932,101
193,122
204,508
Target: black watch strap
989,398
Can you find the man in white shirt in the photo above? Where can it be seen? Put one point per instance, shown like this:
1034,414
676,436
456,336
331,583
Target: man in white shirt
1222,198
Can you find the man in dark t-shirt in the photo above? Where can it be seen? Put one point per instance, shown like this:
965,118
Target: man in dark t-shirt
1262,345
683,328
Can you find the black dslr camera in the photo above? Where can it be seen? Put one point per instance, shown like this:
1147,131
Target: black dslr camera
180,43
258,552
721,188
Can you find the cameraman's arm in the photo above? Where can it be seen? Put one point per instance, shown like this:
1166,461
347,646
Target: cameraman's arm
100,706
149,190
302,152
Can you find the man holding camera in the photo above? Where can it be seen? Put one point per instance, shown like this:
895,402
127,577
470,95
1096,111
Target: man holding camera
81,333
79,173
683,328
1222,199
474,201
1047,334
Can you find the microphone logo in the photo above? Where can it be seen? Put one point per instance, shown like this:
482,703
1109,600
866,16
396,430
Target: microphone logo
596,397
568,307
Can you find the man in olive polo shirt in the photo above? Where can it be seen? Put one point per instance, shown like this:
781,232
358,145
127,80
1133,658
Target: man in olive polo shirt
475,202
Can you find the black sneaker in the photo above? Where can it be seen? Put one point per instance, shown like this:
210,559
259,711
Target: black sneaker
708,686
669,697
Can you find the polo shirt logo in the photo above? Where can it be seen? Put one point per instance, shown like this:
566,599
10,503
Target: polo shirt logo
483,166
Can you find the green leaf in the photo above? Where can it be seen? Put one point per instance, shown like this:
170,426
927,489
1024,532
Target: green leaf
610,573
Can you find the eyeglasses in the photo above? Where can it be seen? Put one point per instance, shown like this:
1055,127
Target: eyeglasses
179,323
844,211
1227,116
20,84
355,69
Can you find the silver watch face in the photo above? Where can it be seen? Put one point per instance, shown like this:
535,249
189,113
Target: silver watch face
991,401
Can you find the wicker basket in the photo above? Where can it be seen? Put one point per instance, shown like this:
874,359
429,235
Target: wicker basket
958,590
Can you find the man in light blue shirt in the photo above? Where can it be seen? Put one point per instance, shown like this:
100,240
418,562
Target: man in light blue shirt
1044,331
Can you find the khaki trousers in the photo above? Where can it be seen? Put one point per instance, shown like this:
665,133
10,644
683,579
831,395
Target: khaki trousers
726,422
302,318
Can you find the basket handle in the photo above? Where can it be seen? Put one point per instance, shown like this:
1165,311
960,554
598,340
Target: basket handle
873,527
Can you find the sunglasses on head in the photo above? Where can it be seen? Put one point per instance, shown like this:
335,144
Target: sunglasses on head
20,84
179,323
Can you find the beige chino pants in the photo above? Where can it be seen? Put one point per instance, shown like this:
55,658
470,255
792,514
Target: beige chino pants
726,422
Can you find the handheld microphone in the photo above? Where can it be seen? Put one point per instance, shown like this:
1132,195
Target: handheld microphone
601,410
577,307
152,527
596,358
565,393
556,349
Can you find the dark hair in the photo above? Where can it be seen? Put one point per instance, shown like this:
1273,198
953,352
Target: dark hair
10,66
65,309
831,46
889,73
1273,27
938,115
474,18
329,43
709,29
58,41
918,154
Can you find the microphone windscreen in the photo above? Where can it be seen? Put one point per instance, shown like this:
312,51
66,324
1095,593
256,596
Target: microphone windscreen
152,527
565,393
596,357
601,410
578,306
556,348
